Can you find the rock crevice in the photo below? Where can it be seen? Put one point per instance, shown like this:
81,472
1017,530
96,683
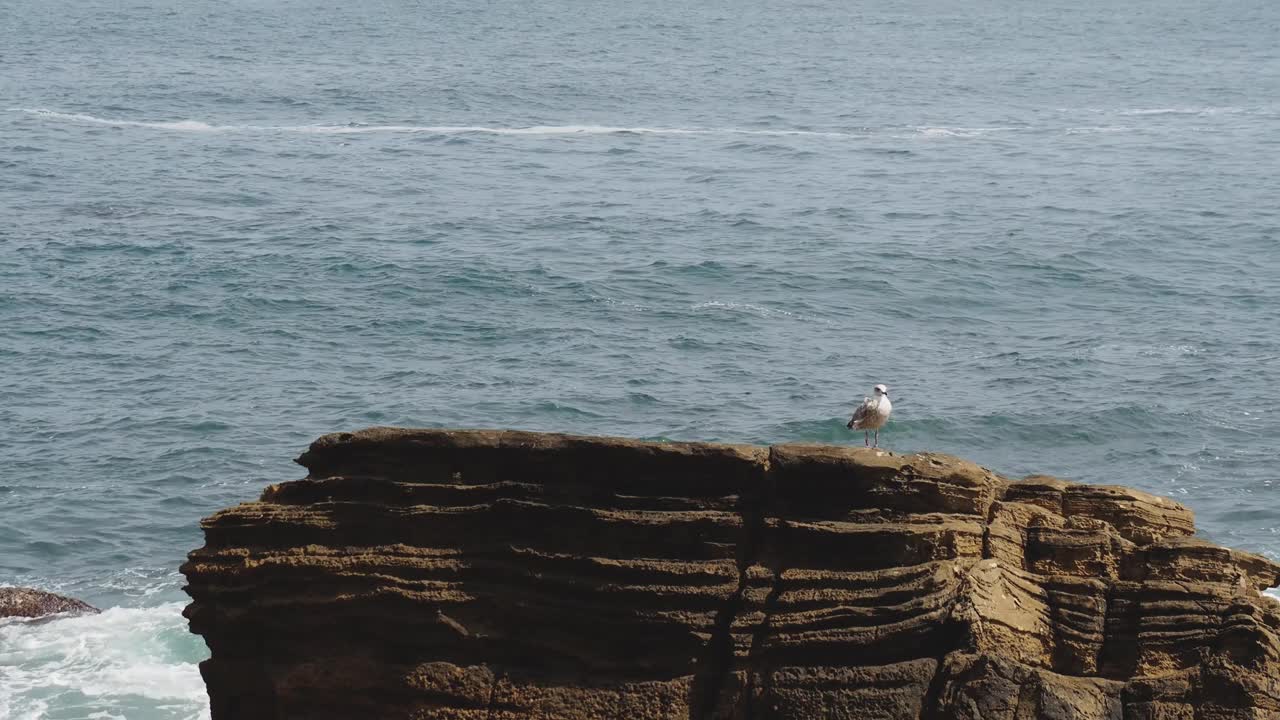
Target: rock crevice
499,575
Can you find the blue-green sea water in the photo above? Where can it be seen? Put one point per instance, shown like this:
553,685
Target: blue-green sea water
229,227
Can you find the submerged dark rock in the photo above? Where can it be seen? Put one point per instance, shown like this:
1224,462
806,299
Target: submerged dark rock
487,575
31,603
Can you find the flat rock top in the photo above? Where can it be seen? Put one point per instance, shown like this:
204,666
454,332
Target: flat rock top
31,603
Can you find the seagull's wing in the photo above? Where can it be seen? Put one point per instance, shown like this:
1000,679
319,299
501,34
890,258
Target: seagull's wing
860,412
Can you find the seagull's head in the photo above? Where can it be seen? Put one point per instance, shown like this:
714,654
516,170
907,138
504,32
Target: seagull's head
881,390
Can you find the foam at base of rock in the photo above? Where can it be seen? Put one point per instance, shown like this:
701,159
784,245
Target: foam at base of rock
121,663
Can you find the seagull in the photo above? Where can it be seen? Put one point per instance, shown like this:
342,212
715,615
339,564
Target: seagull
872,414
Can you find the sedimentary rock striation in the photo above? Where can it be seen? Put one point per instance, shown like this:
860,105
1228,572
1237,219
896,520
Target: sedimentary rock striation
480,575
31,603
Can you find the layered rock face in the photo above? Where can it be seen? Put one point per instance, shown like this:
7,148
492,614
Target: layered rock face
477,575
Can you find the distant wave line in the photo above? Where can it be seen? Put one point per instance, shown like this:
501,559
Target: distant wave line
1185,111
1198,111
533,130
198,126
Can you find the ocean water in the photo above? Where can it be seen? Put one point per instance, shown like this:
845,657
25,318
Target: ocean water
229,227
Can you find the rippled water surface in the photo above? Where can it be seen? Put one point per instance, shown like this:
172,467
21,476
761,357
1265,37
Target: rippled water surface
229,227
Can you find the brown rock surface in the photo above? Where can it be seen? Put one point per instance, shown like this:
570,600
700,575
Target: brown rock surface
485,575
31,603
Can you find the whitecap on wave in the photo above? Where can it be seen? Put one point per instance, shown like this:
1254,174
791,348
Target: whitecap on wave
758,310
743,307
135,663
962,132
1097,129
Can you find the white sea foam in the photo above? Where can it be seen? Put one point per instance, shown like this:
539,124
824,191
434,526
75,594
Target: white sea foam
133,582
124,662
1273,593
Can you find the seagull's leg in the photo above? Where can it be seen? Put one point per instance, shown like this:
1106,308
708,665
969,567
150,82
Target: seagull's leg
866,438
877,438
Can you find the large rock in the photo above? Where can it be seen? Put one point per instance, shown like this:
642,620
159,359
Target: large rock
479,575
30,603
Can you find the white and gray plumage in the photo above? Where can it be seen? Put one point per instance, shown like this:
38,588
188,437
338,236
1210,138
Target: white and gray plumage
872,414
